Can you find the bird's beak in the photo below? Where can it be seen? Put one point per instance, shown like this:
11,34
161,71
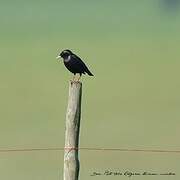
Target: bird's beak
58,57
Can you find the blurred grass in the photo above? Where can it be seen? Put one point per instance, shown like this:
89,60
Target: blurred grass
132,102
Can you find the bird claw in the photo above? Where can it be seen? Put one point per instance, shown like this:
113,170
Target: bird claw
73,81
76,80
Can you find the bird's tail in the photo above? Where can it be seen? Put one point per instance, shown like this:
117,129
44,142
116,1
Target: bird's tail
89,73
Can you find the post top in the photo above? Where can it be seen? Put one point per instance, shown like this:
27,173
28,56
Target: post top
75,82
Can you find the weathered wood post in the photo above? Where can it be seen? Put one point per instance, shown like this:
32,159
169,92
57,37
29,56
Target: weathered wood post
73,115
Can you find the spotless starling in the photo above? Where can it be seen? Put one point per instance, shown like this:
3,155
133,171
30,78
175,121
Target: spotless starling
73,63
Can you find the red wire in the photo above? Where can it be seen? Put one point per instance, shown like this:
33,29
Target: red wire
90,149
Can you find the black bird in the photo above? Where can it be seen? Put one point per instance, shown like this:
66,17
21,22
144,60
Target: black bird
73,63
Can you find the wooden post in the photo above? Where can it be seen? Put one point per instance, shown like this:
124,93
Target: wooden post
73,115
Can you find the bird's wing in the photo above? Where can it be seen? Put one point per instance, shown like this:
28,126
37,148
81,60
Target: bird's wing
80,65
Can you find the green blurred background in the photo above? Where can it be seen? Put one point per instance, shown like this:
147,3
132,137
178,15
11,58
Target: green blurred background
133,101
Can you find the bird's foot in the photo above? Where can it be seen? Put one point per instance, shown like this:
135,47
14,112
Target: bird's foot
75,81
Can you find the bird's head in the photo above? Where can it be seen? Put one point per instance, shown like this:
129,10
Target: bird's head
65,54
